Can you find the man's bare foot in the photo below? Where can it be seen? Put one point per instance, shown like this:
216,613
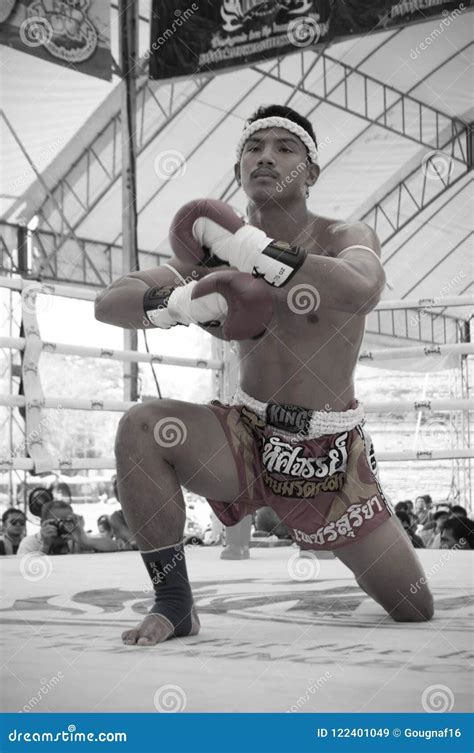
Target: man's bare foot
156,629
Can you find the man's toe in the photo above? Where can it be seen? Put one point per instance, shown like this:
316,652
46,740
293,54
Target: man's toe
130,636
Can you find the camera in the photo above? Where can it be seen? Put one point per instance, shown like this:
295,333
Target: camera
65,526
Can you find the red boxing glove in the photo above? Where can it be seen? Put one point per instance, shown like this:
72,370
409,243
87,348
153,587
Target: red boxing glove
249,302
182,239
213,225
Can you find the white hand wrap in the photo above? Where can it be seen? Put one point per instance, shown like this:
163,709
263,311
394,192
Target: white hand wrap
250,250
178,308
183,310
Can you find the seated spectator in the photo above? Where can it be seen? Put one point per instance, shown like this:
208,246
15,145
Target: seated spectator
401,507
114,499
62,492
459,511
423,505
426,533
104,527
441,514
13,530
405,520
121,532
268,522
457,533
216,533
62,532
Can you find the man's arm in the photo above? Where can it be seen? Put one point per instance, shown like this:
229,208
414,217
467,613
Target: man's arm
93,543
121,303
351,278
101,544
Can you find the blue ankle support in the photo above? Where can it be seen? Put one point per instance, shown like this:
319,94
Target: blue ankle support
173,596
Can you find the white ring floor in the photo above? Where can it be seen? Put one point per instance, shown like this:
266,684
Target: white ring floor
268,643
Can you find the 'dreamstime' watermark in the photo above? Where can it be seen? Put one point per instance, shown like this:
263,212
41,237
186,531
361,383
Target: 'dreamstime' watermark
445,557
44,156
438,299
170,699
437,32
35,436
180,19
46,687
313,687
293,174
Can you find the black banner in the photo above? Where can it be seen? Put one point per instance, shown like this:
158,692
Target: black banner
71,33
189,38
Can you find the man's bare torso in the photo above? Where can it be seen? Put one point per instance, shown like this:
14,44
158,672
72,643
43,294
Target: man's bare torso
304,359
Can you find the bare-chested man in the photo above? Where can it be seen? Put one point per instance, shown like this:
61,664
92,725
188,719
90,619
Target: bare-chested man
293,289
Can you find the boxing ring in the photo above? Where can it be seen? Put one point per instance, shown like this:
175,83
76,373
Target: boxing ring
91,181
279,632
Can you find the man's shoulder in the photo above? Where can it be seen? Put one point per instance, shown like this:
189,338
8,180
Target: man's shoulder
331,235
339,234
353,228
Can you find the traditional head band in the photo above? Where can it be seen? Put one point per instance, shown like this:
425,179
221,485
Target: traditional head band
277,122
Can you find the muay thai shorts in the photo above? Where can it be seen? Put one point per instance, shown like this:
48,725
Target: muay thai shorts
316,469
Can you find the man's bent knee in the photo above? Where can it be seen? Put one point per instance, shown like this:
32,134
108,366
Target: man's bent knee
421,610
148,421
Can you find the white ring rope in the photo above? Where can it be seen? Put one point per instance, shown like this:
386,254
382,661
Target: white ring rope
86,294
417,351
68,403
382,354
426,303
18,343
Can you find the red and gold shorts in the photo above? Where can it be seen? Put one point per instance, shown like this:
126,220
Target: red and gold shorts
325,488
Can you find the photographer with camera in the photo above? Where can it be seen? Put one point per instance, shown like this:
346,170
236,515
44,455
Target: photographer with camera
62,532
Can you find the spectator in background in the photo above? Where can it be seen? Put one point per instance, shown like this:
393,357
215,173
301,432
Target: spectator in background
406,522
61,491
441,514
459,511
13,530
103,526
401,507
115,498
102,491
121,532
423,506
216,534
457,532
267,523
426,533
424,513
62,532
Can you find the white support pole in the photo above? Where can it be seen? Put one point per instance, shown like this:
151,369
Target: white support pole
128,36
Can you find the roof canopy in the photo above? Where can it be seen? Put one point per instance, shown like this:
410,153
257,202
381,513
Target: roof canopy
392,122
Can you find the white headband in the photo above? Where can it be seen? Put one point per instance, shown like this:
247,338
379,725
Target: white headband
277,122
